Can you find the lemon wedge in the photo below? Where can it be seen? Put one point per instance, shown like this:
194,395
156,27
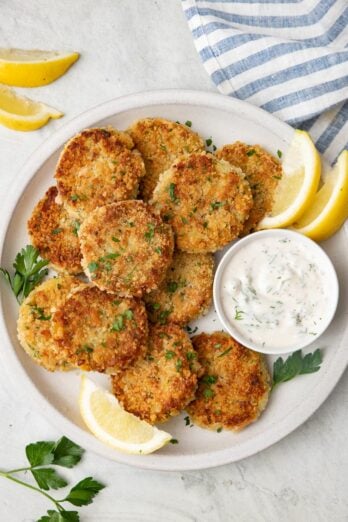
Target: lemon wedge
329,209
111,424
21,113
299,183
22,68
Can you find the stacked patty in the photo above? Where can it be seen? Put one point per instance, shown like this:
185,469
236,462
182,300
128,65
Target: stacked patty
148,269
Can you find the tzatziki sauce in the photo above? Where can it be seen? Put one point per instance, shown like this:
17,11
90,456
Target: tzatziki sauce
275,292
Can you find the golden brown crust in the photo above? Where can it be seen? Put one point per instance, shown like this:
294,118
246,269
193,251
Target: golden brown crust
97,167
160,385
35,322
206,200
160,142
100,332
126,248
235,386
54,234
186,291
262,171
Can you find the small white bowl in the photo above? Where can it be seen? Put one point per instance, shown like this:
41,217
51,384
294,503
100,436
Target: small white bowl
322,259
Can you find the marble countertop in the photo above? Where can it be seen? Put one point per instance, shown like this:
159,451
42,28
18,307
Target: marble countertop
129,46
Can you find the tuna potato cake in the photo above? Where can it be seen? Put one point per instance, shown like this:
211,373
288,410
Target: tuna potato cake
160,385
99,331
262,170
186,291
54,233
97,167
35,322
160,142
126,248
205,199
235,385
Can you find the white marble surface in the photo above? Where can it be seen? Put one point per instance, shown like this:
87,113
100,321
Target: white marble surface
128,46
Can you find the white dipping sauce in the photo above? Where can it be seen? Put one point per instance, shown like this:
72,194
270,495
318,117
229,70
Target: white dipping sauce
275,292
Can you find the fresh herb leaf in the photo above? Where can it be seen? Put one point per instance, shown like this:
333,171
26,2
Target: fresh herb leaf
84,492
238,314
115,239
277,177
39,313
76,227
209,379
40,453
66,453
251,152
60,516
216,204
169,355
187,420
178,365
225,352
279,153
48,478
208,393
190,356
29,272
188,123
294,365
219,430
174,441
208,142
118,324
158,250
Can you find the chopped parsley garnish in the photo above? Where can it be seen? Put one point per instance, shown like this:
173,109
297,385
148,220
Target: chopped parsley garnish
40,313
205,224
190,356
84,349
76,227
128,314
217,204
178,365
174,441
277,177
209,379
57,231
74,197
150,232
225,352
217,345
171,190
118,324
188,123
163,316
219,430
191,330
115,239
163,147
279,153
158,250
93,266
208,142
187,420
169,355
251,152
208,393
172,286
155,306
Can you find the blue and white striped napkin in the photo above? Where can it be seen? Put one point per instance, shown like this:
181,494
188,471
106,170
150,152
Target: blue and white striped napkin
289,57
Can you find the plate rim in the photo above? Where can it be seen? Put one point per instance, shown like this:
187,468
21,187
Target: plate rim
8,355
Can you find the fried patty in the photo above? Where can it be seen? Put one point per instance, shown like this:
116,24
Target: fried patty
126,248
160,385
35,321
262,170
99,331
205,199
54,233
235,386
97,167
186,291
160,142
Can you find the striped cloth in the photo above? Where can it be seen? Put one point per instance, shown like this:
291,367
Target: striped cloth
289,57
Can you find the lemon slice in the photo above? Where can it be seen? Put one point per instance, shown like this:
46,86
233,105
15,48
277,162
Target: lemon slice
23,68
111,424
21,113
330,206
298,185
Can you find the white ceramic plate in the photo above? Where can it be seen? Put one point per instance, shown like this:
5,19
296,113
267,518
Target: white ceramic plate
55,394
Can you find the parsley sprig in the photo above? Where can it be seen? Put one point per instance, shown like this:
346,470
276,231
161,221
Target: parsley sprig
29,272
64,453
294,365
